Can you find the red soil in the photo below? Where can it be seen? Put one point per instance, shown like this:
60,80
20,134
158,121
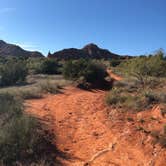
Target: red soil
94,134
80,121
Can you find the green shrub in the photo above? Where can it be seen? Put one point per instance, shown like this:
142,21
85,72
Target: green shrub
144,67
22,138
49,66
43,66
85,70
12,72
34,65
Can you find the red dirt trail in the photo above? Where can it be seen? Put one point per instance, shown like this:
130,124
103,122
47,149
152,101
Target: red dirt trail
114,76
91,136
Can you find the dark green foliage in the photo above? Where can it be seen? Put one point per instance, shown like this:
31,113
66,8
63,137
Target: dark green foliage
12,72
22,139
43,66
49,66
115,62
85,70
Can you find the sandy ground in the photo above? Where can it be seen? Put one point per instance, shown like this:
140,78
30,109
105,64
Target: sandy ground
96,135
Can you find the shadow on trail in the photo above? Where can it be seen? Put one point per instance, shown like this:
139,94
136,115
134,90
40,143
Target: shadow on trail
104,86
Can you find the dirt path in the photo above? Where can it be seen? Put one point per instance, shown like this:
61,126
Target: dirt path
80,121
114,76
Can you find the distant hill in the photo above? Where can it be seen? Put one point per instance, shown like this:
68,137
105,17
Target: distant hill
89,51
7,49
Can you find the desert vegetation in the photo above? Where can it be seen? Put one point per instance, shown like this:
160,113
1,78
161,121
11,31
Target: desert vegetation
13,71
22,139
82,83
142,87
145,68
85,72
44,66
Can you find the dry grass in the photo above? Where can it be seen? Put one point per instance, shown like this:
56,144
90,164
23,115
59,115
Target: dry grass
36,86
50,87
129,95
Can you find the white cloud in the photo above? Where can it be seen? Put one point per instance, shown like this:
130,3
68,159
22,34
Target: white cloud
7,10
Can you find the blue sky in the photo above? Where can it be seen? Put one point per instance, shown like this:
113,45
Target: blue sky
130,27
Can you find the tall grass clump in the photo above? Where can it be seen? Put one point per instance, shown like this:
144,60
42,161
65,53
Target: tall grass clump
114,97
50,87
134,100
22,139
12,72
120,98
